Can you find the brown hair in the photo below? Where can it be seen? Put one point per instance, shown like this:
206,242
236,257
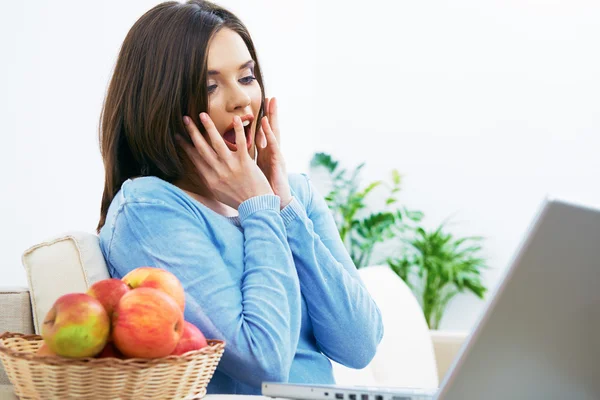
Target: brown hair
160,76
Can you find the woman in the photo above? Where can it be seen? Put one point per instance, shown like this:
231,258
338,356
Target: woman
257,250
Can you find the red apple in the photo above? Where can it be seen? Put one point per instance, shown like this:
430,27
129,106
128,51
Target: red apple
156,278
76,326
108,292
110,351
191,339
147,323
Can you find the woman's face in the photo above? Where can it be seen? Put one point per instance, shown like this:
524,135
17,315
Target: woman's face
232,88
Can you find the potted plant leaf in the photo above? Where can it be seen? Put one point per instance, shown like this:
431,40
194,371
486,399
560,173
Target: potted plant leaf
359,229
437,266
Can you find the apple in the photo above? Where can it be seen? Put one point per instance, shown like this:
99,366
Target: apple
147,323
191,339
76,326
108,292
156,278
44,350
110,351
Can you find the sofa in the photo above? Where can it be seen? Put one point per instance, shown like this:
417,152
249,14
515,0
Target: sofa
409,355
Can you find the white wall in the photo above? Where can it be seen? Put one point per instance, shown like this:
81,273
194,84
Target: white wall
484,107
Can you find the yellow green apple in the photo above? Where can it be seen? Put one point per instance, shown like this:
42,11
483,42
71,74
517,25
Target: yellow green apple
76,326
44,350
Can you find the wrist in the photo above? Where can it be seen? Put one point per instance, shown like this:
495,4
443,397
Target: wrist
286,201
261,192
251,196
267,202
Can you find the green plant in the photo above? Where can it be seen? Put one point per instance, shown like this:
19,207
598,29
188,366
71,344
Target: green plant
347,199
443,266
435,264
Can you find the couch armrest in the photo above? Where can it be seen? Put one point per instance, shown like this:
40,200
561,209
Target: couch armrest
446,346
16,310
15,316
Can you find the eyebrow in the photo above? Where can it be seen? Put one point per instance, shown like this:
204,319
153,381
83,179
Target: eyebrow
247,64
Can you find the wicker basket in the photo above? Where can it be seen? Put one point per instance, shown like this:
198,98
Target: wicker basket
43,377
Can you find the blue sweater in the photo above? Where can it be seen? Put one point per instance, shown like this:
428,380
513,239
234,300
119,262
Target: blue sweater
278,286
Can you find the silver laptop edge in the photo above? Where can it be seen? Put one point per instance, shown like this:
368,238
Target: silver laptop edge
463,353
337,392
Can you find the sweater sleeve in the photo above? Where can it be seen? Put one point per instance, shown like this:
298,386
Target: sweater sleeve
346,321
260,318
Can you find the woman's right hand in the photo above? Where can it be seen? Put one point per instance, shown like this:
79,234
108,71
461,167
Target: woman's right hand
232,176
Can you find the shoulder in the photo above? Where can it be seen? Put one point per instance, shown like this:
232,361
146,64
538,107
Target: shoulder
147,197
144,209
149,189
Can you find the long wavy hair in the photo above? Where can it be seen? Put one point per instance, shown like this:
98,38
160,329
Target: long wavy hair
160,75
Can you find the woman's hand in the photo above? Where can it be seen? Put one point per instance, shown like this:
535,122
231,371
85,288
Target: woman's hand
231,176
270,160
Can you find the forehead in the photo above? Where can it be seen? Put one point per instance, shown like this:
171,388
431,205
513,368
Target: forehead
227,51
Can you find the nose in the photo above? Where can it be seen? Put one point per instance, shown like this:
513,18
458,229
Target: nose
238,98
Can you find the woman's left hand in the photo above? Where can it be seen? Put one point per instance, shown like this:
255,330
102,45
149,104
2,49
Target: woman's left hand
269,158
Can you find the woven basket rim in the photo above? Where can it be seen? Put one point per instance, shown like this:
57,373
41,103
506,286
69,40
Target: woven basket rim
214,346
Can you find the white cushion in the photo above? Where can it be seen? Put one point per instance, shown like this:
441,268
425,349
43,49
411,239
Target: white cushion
405,357
69,263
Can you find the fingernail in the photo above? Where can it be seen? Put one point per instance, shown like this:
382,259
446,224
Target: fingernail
203,117
186,120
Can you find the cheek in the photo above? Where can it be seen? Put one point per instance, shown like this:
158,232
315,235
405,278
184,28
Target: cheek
214,105
218,115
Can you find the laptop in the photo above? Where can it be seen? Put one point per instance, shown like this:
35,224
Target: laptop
539,335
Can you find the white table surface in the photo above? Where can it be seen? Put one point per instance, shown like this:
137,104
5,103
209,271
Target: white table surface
6,393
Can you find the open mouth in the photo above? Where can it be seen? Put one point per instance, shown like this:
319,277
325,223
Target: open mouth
229,136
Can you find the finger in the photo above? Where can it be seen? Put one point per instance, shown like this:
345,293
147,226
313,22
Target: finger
193,155
240,135
216,140
269,134
261,139
200,144
273,118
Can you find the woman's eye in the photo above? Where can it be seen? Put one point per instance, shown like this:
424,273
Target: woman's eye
246,81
